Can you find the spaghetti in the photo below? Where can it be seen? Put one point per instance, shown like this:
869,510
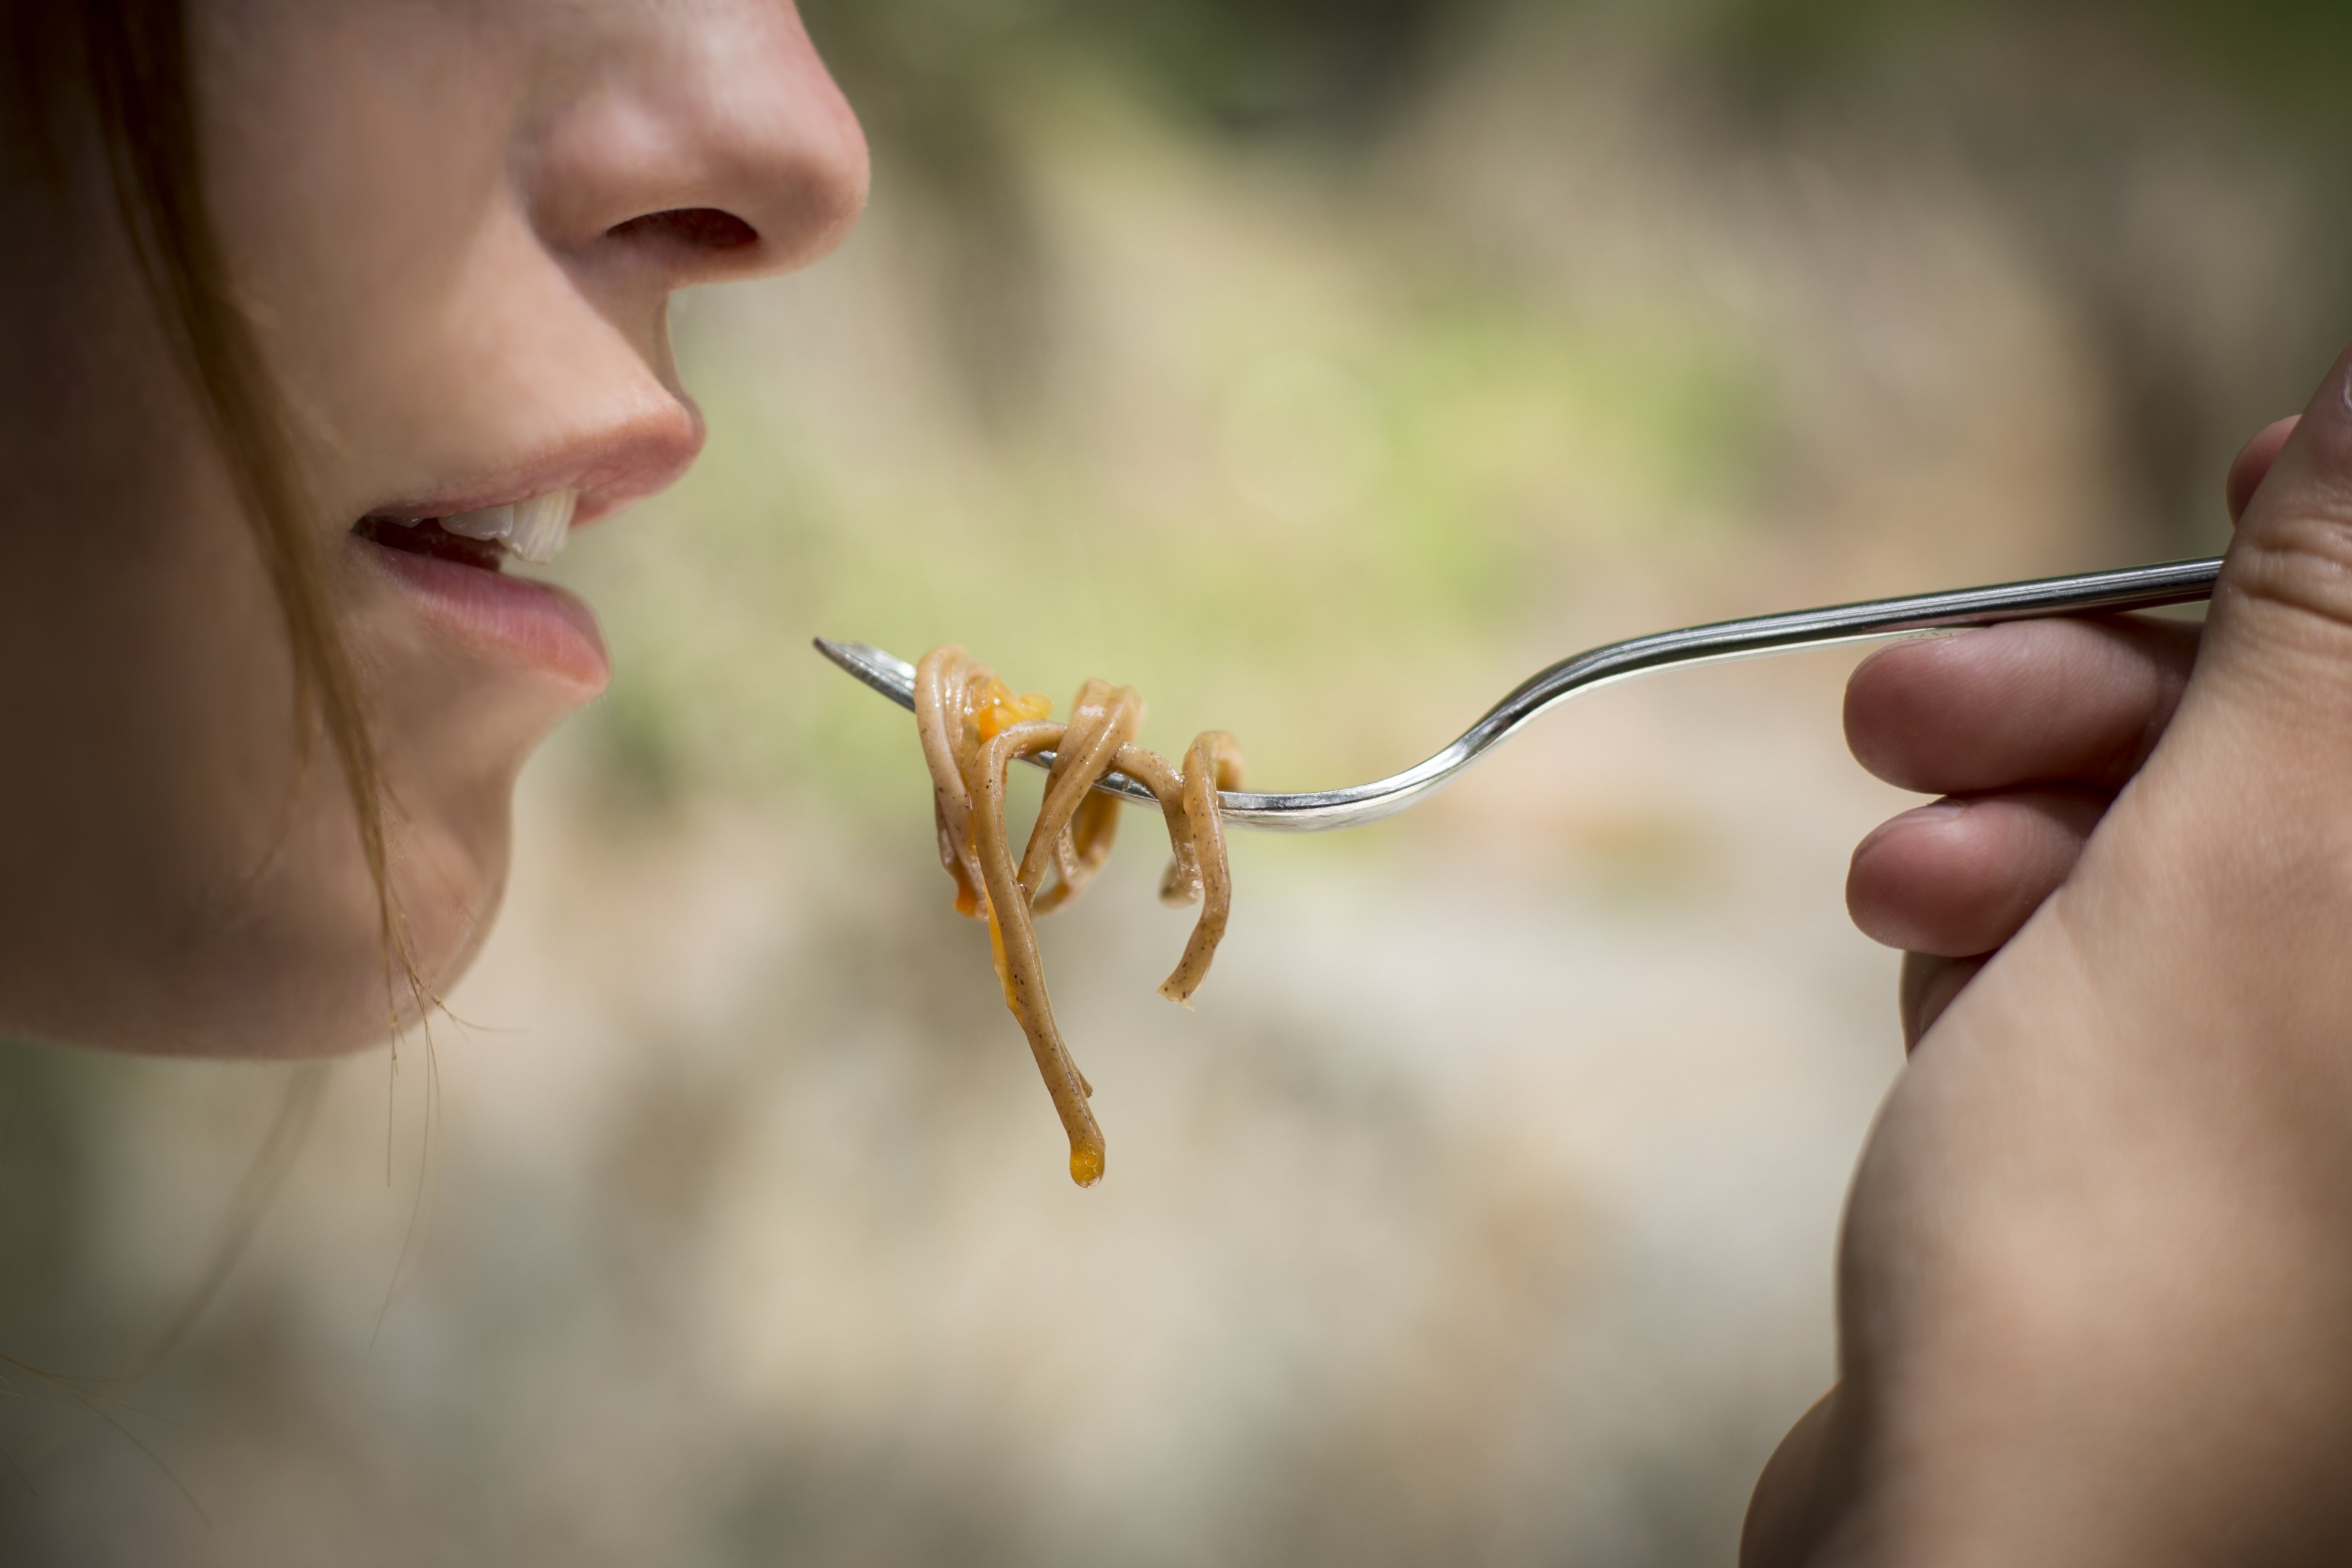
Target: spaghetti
973,725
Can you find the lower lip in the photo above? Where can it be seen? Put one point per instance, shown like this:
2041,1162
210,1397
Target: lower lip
531,623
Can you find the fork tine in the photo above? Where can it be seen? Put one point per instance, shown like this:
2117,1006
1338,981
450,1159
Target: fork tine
895,678
886,673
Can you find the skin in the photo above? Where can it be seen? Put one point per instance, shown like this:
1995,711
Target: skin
453,223
2091,1280
2027,732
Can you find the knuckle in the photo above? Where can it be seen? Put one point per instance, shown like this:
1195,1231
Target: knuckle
2299,560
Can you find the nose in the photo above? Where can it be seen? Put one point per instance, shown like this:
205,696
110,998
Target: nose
712,144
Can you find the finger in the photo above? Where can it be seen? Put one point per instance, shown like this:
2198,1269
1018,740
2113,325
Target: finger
2078,702
1959,877
1929,985
1775,1534
2253,464
2279,637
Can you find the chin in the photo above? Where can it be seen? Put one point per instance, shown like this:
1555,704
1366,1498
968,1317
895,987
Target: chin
304,970
447,914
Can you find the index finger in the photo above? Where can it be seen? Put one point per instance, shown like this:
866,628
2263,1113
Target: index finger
2034,702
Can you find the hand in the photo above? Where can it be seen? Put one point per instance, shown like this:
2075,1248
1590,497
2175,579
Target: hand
2028,731
2097,1258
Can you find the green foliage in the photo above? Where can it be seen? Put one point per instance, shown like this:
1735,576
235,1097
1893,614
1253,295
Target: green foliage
1335,63
2286,58
1255,63
1245,63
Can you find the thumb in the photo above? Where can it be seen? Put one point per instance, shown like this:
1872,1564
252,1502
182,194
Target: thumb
2278,640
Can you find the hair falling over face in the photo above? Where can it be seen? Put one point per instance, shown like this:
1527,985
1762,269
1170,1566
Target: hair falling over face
122,67
973,727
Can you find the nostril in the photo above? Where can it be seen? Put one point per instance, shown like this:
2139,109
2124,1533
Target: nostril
701,228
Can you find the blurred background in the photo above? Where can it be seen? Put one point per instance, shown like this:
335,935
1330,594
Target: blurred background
1321,367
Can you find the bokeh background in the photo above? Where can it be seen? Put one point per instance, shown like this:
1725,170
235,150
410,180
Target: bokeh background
1322,366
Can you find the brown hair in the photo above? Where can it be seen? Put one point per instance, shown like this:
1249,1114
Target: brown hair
134,57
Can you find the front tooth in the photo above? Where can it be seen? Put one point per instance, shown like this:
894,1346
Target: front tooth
534,529
542,524
488,523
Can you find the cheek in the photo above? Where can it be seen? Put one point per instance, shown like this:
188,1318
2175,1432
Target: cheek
354,149
177,874
358,156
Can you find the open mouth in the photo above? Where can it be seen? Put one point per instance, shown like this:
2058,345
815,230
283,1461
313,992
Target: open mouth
531,530
452,566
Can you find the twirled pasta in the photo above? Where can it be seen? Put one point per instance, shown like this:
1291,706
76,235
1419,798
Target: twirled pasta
972,727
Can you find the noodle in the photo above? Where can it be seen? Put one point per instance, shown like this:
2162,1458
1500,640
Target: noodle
972,727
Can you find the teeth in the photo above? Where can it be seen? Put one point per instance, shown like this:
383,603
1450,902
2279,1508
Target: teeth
534,529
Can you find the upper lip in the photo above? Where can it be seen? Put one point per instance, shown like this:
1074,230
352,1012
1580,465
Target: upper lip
610,469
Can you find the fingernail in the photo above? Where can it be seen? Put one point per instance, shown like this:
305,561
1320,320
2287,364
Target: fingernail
1930,815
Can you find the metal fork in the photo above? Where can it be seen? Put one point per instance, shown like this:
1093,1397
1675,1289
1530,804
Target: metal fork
2097,592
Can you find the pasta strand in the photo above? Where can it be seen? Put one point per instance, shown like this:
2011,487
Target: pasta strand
972,727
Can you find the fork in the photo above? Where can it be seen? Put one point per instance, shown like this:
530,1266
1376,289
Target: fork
2090,594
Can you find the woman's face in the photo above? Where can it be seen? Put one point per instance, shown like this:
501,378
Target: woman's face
455,225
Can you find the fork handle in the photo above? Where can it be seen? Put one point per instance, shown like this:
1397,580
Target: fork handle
2090,594
2096,592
